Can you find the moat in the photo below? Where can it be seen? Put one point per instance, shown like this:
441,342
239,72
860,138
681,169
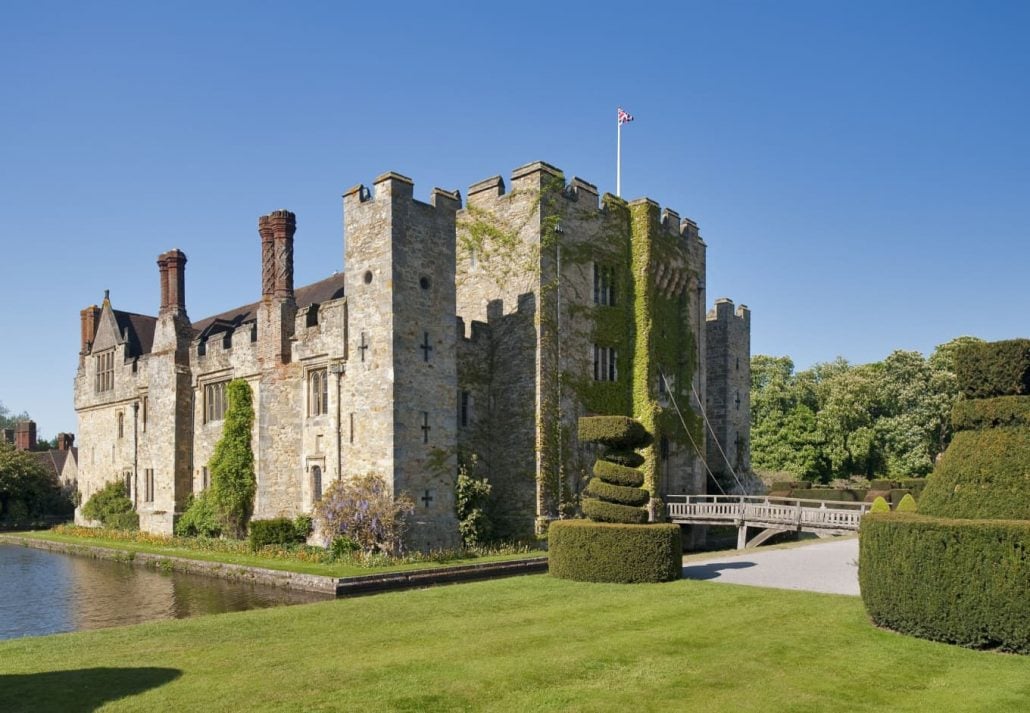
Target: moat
48,593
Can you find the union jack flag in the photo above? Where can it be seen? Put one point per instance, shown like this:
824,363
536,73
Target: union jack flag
624,116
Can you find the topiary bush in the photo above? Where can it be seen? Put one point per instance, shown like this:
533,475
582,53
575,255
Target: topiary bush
614,494
959,571
959,581
987,369
907,504
601,552
615,544
880,505
112,508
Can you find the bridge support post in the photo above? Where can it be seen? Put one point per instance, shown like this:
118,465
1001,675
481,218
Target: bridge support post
741,536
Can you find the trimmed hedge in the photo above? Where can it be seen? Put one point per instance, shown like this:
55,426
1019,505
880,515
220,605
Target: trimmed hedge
618,494
880,505
628,458
618,474
277,531
835,494
964,582
994,368
974,414
600,552
618,432
600,511
983,475
907,504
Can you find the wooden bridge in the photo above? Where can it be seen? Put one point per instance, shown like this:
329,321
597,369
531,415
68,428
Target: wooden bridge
770,514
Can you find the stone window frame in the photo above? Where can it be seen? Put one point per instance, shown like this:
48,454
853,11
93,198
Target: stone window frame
605,361
104,378
144,411
604,285
317,387
148,485
215,400
464,408
121,423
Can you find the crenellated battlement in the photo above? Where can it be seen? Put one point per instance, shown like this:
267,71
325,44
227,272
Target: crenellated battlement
394,187
725,312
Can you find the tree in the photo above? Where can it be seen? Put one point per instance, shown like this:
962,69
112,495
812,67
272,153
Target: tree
8,420
233,483
28,490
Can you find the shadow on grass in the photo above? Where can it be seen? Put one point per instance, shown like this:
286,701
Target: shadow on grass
79,690
712,570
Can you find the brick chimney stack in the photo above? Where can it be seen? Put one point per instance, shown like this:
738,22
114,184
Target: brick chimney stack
172,266
88,323
267,257
65,441
25,435
283,225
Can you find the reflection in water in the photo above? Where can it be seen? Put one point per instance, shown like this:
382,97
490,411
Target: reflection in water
47,592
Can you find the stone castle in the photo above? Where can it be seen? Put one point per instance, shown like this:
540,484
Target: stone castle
459,336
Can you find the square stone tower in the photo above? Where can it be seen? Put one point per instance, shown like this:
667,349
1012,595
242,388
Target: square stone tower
401,370
728,401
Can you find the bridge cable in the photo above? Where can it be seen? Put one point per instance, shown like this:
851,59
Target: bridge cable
700,455
716,439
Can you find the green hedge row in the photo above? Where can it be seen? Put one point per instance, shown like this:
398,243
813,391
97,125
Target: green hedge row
600,511
617,474
618,494
994,369
848,496
983,475
618,432
600,552
277,531
974,414
959,581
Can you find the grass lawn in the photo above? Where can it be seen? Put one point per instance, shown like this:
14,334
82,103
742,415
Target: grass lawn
520,644
335,569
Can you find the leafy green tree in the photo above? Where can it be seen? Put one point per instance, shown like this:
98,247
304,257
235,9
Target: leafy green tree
233,483
470,498
8,419
27,489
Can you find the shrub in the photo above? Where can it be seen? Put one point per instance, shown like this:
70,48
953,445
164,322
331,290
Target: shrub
959,581
276,531
470,499
987,369
618,432
112,508
835,494
305,525
600,511
907,504
880,505
364,510
28,491
232,466
618,474
983,474
600,552
343,547
973,414
200,518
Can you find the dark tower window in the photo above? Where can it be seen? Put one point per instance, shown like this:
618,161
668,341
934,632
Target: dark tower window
316,483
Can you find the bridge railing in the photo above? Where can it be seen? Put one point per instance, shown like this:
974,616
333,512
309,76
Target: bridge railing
796,512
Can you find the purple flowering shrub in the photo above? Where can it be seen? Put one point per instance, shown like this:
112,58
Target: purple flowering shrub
364,511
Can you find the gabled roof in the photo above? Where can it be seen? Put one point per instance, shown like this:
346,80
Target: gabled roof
139,329
330,288
53,460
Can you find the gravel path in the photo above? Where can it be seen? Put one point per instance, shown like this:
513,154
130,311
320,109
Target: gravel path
829,566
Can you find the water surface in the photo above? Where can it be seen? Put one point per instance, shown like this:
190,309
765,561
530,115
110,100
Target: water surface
45,592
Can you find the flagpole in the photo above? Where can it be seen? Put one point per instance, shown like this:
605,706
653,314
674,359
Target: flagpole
618,158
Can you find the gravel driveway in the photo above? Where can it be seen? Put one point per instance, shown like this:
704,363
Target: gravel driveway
829,566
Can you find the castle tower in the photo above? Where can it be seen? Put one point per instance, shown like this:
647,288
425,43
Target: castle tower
728,401
401,379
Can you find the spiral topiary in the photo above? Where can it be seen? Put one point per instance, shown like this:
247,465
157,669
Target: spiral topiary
615,544
614,493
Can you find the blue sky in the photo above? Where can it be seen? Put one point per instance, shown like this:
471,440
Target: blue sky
860,171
